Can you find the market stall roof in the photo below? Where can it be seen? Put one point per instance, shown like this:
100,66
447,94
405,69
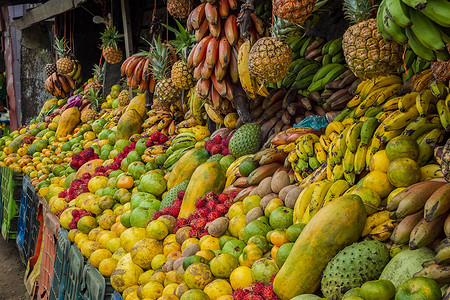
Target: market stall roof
45,11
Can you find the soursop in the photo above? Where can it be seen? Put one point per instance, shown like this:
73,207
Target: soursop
171,194
246,140
352,266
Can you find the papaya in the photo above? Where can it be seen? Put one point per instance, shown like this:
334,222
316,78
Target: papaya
338,224
68,121
186,165
129,123
207,177
89,167
138,104
48,104
17,142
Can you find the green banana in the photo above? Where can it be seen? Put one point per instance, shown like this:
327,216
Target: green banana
399,12
296,43
342,115
417,4
444,114
426,31
338,58
417,46
380,22
333,74
395,32
335,46
352,136
323,71
367,129
304,46
313,162
360,158
326,47
421,125
438,11
307,71
426,151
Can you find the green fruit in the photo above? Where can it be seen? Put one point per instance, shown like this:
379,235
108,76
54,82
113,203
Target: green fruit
247,166
283,253
294,231
233,247
246,140
418,288
192,260
263,269
255,228
402,146
281,218
140,146
379,290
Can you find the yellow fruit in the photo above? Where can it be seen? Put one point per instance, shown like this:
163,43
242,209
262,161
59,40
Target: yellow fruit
104,238
393,193
145,277
88,247
369,197
131,290
158,261
217,288
152,290
98,256
157,230
72,233
404,172
170,289
89,136
107,266
92,235
236,224
197,276
210,243
230,120
379,182
171,247
188,242
379,162
113,244
130,236
125,275
80,237
235,210
97,182
143,252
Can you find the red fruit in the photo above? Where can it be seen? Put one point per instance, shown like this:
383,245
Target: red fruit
180,195
233,195
228,203
268,293
156,215
209,196
72,225
133,146
202,234
226,141
222,198
63,194
181,222
213,215
217,139
258,287
212,204
216,149
162,139
174,211
253,297
75,213
239,294
225,152
200,203
191,218
199,223
193,233
208,145
155,136
203,212
273,278
148,143
221,209
177,203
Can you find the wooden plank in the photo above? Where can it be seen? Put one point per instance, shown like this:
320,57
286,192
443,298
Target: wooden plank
126,21
45,11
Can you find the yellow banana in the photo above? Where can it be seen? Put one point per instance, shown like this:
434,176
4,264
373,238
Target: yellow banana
318,196
389,135
302,202
387,81
341,143
423,100
338,171
292,156
348,161
195,105
407,101
402,120
354,102
367,88
374,220
383,231
431,171
243,70
324,142
352,137
214,115
320,153
336,190
360,158
391,104
371,98
308,141
350,177
363,85
301,153
349,122
386,93
334,127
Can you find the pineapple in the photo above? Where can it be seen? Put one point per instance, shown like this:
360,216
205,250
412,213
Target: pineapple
284,30
93,97
182,76
165,90
441,69
110,37
367,54
445,162
123,98
64,65
179,9
50,69
295,11
97,76
269,60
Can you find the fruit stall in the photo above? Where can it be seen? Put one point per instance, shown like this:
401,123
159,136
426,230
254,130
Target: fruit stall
245,157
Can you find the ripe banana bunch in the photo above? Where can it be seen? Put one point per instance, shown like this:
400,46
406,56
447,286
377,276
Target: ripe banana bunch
137,69
181,144
159,120
59,85
424,25
443,110
310,153
315,196
216,53
76,72
250,85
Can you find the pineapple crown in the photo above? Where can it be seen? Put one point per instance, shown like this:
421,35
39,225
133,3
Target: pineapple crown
61,47
184,40
358,10
98,73
93,96
159,59
110,37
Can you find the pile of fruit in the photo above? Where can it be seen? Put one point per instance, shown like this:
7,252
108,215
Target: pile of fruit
272,164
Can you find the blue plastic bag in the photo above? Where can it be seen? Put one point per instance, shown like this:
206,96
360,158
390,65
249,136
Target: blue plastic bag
313,121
